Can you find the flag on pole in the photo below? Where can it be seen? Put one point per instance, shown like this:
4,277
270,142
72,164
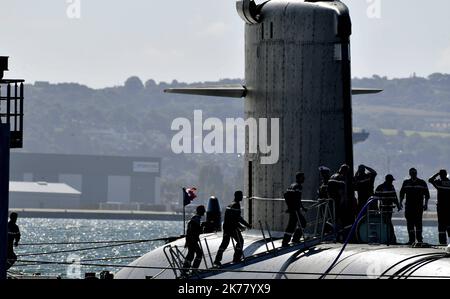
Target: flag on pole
189,195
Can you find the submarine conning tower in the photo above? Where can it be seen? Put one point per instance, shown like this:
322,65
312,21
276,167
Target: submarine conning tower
297,69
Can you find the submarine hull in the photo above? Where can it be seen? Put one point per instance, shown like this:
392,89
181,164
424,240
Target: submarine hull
359,261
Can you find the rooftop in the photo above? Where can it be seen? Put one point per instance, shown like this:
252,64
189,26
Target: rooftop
42,187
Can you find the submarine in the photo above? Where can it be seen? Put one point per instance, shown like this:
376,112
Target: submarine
297,69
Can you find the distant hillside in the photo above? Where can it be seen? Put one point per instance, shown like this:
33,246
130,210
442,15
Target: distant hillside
421,104
135,119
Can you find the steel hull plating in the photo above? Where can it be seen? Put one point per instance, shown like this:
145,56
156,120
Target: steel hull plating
357,261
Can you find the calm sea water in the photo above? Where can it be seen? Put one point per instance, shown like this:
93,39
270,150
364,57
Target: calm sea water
68,230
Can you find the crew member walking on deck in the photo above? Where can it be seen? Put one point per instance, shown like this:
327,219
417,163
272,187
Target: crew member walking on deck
441,182
194,230
387,198
293,198
416,191
232,225
364,182
13,240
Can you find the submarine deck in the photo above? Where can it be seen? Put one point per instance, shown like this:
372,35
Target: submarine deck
265,259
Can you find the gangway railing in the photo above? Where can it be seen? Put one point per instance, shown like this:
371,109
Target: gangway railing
209,253
379,223
270,235
320,213
175,258
264,236
326,214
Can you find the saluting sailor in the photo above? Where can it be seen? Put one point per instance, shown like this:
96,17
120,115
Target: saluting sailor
364,182
441,182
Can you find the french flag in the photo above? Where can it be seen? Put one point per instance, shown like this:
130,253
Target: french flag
189,195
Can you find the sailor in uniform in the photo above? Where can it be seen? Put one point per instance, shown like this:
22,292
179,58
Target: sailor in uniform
441,182
194,230
13,239
232,225
297,222
415,191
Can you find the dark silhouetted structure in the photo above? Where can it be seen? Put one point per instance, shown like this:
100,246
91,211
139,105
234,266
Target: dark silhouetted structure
3,65
297,222
213,221
232,225
415,191
441,182
11,136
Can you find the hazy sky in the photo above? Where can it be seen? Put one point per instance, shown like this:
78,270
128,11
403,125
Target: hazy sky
198,40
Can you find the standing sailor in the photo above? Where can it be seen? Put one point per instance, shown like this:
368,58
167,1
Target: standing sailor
323,196
194,230
387,197
232,225
297,222
364,183
337,190
415,190
325,174
13,240
442,184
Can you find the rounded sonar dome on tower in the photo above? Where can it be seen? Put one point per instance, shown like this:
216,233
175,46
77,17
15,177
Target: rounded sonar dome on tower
213,221
213,204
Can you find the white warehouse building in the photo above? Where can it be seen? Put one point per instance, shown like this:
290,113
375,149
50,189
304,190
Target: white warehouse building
43,195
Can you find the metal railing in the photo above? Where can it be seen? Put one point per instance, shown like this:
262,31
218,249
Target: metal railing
321,213
379,224
176,258
325,215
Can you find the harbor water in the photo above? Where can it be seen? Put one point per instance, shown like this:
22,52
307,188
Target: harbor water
48,260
